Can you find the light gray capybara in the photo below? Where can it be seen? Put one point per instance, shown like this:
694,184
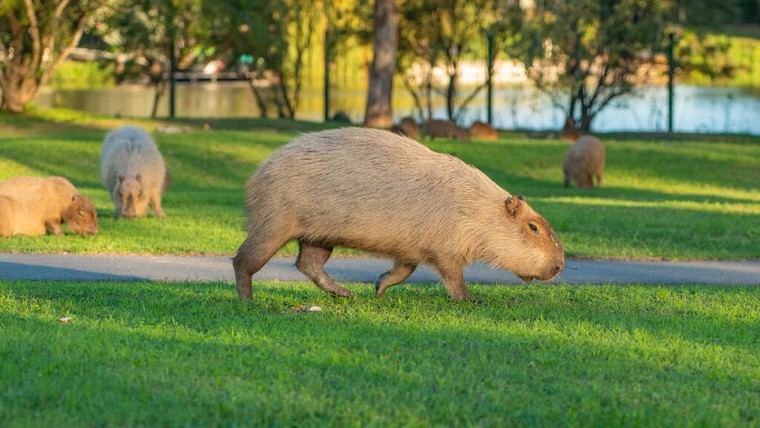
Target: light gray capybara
445,129
36,205
584,162
133,172
374,190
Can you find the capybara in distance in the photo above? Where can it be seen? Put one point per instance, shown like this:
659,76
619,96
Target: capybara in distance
483,131
377,191
583,162
445,129
133,172
407,127
36,205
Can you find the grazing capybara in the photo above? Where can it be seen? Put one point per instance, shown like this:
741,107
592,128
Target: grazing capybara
377,191
37,205
445,129
133,172
583,162
407,127
483,131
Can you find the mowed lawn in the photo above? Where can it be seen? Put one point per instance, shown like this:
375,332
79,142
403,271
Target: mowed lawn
157,354
673,199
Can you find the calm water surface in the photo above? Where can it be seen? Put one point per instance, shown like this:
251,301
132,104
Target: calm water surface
698,109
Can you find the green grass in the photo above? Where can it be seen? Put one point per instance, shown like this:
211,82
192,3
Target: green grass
685,198
157,354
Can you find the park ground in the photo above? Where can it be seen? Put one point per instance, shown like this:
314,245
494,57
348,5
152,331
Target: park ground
689,197
155,353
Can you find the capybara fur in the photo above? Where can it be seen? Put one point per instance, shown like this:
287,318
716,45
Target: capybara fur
376,191
407,127
483,131
133,172
37,205
584,162
445,129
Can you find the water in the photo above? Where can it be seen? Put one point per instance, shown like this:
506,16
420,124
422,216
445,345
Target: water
698,109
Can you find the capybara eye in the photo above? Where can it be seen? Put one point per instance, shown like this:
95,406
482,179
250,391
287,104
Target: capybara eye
533,227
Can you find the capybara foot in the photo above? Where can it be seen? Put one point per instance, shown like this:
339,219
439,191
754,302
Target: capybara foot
338,291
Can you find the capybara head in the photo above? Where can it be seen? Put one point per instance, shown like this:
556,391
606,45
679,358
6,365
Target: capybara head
81,216
530,249
132,197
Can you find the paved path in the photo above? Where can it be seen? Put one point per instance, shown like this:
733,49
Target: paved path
181,268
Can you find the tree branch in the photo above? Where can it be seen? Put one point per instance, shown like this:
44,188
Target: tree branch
34,32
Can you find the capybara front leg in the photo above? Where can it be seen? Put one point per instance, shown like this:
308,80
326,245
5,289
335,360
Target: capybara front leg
54,227
453,280
398,274
155,201
250,258
311,261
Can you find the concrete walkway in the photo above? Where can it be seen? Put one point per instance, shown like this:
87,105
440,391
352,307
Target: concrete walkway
78,267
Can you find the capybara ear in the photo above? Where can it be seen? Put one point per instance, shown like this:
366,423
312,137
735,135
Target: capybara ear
138,177
76,199
513,205
121,178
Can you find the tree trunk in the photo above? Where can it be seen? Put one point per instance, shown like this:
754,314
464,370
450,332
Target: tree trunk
160,88
450,95
385,42
17,93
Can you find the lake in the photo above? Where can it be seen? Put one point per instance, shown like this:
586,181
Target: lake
698,109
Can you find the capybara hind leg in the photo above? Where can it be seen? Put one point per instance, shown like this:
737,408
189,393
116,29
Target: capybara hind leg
453,280
250,258
155,201
311,261
398,274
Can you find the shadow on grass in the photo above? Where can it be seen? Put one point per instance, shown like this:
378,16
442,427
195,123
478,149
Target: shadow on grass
540,357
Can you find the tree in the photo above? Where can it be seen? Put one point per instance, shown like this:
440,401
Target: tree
276,36
379,112
442,33
35,36
144,31
592,52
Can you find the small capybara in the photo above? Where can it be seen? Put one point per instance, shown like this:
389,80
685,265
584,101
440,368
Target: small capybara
37,205
584,162
483,131
445,129
374,190
407,127
133,172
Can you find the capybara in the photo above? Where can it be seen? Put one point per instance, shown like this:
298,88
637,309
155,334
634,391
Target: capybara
483,131
445,129
583,162
133,172
36,205
377,191
407,127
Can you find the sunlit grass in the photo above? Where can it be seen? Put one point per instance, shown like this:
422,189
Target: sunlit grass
176,354
662,199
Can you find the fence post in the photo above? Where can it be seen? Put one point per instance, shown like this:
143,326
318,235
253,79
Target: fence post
671,75
489,76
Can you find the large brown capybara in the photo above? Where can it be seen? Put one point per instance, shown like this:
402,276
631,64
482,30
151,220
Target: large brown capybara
133,172
377,191
483,131
408,128
36,205
445,129
584,162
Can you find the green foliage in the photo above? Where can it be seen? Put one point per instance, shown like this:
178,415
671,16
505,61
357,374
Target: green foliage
82,75
697,198
157,354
